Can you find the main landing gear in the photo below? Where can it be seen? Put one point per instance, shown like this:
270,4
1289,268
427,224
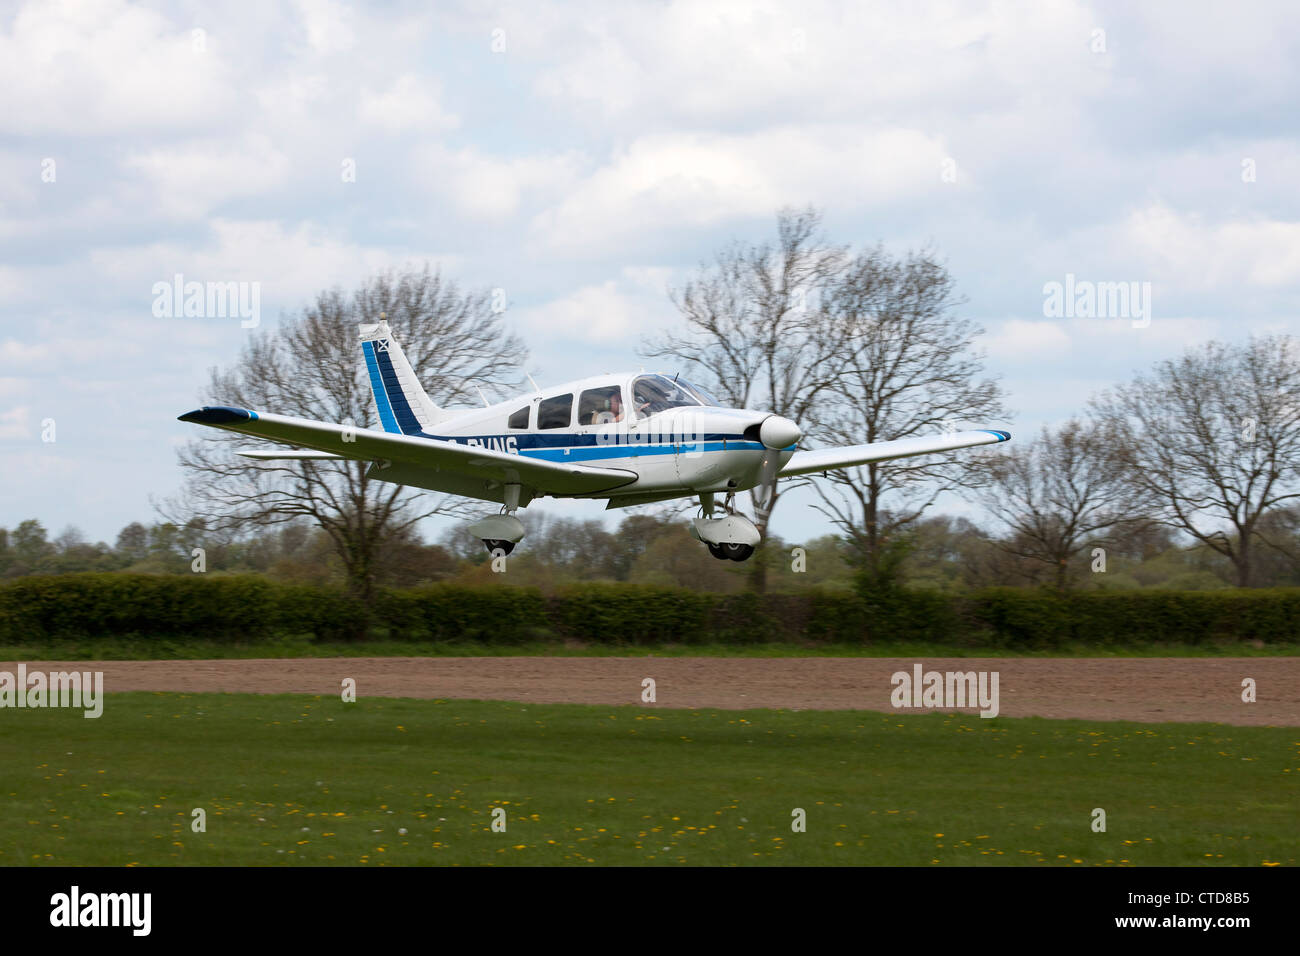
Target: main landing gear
731,537
731,552
501,532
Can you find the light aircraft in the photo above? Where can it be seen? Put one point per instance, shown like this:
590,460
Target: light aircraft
628,439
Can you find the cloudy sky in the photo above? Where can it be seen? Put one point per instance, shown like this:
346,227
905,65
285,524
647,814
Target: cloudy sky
584,157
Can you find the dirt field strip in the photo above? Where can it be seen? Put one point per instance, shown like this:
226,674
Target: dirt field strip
1142,689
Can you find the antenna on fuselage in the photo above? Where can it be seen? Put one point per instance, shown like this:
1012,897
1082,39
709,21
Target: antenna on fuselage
486,404
536,387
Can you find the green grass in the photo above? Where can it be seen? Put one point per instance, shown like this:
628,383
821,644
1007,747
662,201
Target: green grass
312,780
110,649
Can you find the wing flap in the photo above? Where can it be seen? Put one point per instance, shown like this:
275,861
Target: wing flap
362,444
287,454
830,459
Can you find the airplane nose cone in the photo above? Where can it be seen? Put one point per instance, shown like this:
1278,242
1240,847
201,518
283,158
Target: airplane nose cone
778,432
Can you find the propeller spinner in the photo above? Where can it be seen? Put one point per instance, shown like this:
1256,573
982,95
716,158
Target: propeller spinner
776,433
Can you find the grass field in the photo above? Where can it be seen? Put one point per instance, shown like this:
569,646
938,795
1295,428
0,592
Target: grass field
311,780
122,649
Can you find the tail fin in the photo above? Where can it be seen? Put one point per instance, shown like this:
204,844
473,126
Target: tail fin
404,408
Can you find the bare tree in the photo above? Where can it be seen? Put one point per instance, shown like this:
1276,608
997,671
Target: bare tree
1278,564
911,371
311,366
756,333
1212,440
1058,494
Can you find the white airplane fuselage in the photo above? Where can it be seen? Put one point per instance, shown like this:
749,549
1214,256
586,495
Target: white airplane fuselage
675,452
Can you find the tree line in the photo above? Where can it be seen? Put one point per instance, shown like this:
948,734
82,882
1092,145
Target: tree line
938,552
858,345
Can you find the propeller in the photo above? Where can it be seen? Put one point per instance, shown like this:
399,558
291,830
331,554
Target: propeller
775,433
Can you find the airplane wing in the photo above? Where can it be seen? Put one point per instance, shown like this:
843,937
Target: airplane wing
433,455
830,459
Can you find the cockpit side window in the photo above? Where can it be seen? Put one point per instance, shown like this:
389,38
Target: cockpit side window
519,419
600,406
555,412
658,393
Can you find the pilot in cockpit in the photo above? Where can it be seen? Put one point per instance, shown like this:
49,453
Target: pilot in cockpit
613,414
643,398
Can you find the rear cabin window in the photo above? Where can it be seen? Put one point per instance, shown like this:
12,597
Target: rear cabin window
555,412
600,406
519,419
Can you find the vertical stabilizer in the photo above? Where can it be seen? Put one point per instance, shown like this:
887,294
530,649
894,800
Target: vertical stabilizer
404,407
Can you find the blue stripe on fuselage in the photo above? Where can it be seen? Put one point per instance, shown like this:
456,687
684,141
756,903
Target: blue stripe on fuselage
632,451
591,439
571,447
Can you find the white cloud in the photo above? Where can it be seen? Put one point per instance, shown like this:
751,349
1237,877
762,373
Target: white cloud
687,181
12,279
16,353
618,310
190,181
14,423
292,96
1183,249
482,186
720,60
83,68
292,263
409,104
328,25
1019,339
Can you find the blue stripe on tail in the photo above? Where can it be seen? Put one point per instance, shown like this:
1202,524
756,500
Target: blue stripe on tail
406,419
381,393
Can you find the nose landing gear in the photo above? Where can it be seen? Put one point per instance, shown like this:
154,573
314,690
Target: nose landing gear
501,531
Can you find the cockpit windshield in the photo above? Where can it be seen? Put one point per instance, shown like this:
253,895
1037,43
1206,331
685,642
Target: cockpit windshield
658,393
704,395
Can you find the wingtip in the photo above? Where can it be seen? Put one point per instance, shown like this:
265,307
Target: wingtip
218,415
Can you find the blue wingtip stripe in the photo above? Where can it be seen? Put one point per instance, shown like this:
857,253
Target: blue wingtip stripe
218,415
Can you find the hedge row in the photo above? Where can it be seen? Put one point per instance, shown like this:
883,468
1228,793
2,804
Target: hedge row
249,608
170,605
